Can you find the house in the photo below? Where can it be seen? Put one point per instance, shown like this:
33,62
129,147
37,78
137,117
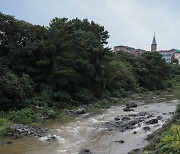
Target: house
176,55
133,51
167,55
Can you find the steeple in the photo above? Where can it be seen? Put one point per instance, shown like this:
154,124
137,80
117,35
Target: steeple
154,44
154,39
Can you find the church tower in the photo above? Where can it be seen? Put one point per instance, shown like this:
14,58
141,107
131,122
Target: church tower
154,45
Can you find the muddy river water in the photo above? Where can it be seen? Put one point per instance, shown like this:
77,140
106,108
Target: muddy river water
91,132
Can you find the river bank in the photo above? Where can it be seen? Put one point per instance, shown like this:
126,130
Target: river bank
89,129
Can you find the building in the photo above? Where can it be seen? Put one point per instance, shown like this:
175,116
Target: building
133,51
167,55
176,55
154,45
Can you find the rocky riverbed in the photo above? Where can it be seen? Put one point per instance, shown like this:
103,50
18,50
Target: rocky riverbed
117,130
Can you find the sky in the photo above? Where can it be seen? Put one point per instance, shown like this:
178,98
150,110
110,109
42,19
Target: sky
129,22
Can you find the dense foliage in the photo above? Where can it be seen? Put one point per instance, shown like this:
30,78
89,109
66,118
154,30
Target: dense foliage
68,63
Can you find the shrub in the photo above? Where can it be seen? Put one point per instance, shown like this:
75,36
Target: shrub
84,95
170,143
25,116
4,126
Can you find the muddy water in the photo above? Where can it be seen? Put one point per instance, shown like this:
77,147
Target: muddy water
88,132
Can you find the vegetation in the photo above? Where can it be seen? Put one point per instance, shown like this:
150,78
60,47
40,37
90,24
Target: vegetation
68,64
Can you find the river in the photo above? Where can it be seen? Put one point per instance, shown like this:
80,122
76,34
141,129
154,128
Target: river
89,132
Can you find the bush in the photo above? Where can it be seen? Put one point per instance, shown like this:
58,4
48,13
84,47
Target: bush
84,95
177,114
61,96
25,116
170,143
4,126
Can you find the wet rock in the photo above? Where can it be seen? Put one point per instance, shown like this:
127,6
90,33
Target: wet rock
131,105
110,129
127,109
51,137
135,151
85,151
20,130
146,128
81,110
159,117
45,117
117,118
142,113
156,125
126,118
5,142
152,121
119,141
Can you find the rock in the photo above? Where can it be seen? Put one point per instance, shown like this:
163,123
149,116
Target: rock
5,142
131,105
146,128
85,151
117,118
126,109
159,117
126,118
119,141
134,132
51,137
45,117
142,113
20,130
135,151
81,110
152,121
110,129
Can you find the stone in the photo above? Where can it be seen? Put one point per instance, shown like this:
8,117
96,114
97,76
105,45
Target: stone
126,118
85,151
81,110
146,128
131,105
134,132
5,142
135,151
119,141
117,118
110,129
159,117
126,109
152,121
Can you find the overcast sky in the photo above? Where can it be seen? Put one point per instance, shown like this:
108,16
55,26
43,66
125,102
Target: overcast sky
129,22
